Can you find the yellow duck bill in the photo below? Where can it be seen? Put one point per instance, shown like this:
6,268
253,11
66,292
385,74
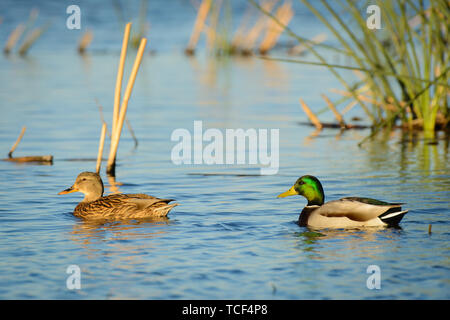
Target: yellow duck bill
290,192
68,190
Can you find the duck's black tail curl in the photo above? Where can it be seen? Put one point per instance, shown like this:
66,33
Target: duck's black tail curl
393,216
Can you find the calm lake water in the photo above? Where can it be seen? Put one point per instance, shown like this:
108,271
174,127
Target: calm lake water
230,238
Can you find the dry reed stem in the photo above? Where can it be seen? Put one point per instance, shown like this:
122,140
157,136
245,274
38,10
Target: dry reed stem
211,32
85,41
24,128
239,34
100,148
312,117
130,128
362,97
198,26
123,55
13,38
28,42
253,34
350,106
42,159
102,118
284,15
337,115
301,48
123,109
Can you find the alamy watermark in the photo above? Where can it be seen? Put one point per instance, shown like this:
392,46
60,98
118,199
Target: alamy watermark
374,20
74,20
74,280
227,147
374,280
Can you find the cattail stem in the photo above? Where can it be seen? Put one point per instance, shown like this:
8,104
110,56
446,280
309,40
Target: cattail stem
28,42
303,47
312,117
85,41
17,142
334,110
258,27
13,38
123,55
110,169
100,148
37,159
198,26
284,14
130,129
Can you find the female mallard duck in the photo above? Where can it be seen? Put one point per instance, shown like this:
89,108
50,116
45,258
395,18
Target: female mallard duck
115,206
349,212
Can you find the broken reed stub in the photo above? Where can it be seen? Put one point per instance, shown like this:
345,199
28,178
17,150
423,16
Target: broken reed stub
311,116
48,159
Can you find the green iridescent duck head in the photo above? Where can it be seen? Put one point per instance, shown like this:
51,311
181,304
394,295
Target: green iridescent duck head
309,187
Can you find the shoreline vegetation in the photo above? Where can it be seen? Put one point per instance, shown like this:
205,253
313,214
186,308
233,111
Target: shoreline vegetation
402,68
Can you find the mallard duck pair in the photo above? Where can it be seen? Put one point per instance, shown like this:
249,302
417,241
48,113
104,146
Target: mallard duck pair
114,206
347,212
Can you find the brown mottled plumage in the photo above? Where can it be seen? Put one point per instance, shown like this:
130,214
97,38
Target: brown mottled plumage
115,206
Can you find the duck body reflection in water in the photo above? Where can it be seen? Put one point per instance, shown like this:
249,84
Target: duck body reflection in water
349,212
115,206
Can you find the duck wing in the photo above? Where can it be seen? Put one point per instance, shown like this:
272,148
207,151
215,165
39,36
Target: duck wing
124,206
357,209
371,201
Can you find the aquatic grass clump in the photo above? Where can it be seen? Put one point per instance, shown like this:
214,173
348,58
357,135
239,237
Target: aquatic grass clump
214,18
403,66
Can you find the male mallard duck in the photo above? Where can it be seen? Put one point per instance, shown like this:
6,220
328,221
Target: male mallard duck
115,206
349,212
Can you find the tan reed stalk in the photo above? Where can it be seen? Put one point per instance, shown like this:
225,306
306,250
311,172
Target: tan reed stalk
130,128
85,41
13,38
350,106
102,118
198,26
40,159
24,128
28,42
284,14
123,109
239,34
311,116
123,55
100,148
334,110
303,47
248,42
211,29
362,97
